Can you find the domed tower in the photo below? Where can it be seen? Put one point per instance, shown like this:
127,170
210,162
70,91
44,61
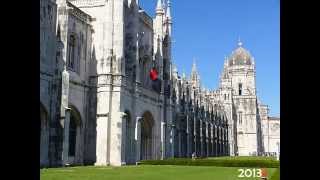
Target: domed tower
239,71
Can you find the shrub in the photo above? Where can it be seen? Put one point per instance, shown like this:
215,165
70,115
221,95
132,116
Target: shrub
224,162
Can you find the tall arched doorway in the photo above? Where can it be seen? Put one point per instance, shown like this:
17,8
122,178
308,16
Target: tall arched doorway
74,134
129,140
146,136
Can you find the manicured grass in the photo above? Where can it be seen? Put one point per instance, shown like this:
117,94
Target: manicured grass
276,175
145,172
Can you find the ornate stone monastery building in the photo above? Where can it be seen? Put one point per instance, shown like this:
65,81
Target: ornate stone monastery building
98,104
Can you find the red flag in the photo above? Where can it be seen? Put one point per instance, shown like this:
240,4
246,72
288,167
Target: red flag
153,74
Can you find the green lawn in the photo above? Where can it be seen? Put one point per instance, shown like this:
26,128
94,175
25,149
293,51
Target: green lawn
145,172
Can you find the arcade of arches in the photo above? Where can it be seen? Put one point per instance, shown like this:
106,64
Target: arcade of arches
205,134
71,140
202,133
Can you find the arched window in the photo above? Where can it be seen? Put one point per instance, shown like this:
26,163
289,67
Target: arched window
240,118
240,89
71,52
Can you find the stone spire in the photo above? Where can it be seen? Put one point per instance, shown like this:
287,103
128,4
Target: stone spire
159,6
168,17
158,25
240,42
158,52
194,67
175,70
183,75
168,11
194,74
225,61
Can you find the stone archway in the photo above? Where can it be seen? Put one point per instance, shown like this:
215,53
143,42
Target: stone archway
44,136
129,139
74,135
146,136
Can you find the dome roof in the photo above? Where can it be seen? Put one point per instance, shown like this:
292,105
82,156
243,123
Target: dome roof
240,56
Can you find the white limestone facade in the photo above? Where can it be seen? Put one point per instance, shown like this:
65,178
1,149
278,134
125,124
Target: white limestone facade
97,102
271,135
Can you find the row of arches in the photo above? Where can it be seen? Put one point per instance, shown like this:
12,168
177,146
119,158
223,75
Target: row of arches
200,132
73,133
146,140
204,140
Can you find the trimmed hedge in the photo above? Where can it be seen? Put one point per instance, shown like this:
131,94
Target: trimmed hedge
258,163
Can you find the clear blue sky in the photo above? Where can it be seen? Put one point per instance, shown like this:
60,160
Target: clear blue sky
208,30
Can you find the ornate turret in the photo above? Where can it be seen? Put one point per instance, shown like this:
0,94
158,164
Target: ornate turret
194,71
240,56
168,17
195,77
158,25
168,10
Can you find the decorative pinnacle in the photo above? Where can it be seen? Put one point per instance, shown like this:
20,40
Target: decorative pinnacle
239,42
194,65
159,5
168,9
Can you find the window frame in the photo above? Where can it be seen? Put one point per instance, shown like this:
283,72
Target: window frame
72,61
240,88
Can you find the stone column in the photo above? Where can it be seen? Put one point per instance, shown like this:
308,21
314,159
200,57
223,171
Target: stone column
226,141
163,143
124,139
201,139
137,60
172,134
137,138
102,134
212,140
179,142
207,140
188,136
195,134
65,145
230,140
216,141
223,143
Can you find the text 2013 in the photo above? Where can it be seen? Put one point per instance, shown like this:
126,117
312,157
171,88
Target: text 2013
252,173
